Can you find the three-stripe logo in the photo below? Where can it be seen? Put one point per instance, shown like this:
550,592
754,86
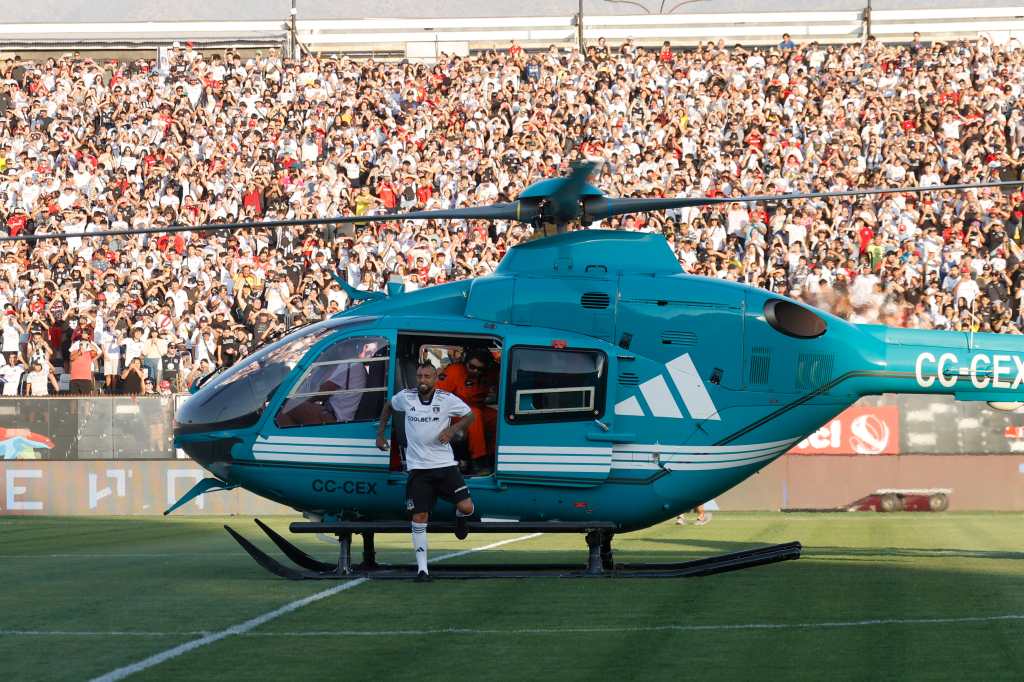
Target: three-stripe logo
656,393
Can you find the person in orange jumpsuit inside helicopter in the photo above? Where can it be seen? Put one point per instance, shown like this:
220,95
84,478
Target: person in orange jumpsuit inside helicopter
474,380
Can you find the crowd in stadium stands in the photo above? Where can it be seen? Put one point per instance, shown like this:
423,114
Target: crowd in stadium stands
221,137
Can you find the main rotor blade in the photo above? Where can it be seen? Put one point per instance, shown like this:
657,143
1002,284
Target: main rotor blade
565,198
606,207
505,211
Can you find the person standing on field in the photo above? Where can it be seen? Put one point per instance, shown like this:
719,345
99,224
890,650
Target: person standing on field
433,472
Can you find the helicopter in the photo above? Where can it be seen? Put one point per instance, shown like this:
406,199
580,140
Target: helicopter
628,391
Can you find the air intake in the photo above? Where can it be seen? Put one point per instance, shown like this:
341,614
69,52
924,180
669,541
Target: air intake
678,338
814,369
760,365
595,300
628,379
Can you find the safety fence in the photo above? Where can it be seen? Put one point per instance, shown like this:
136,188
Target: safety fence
87,428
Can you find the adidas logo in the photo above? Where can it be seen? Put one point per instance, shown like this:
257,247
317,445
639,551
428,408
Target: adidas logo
660,400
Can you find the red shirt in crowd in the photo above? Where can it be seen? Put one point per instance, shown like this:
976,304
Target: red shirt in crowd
253,199
16,223
386,194
866,234
81,364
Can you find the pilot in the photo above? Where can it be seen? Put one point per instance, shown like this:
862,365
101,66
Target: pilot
345,383
475,381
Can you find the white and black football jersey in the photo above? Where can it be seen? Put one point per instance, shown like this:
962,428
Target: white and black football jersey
424,422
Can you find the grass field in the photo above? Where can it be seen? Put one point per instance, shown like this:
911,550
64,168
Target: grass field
918,596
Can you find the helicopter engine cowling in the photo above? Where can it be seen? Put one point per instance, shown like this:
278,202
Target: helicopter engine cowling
591,210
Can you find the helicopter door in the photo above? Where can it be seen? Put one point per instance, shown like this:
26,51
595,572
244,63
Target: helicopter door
331,412
551,400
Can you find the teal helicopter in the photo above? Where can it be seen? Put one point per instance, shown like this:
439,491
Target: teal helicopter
626,390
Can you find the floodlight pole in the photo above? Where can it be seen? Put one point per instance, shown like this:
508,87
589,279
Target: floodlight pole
294,36
579,28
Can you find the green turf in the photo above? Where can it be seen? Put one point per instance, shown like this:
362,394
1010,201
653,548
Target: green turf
174,577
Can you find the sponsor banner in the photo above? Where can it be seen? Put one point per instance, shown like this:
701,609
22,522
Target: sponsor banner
859,430
116,487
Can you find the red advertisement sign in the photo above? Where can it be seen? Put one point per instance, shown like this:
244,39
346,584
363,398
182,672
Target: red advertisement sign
859,430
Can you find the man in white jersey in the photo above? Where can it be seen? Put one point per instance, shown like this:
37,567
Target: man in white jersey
433,472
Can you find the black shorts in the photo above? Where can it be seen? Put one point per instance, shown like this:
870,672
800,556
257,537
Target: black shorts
82,387
426,485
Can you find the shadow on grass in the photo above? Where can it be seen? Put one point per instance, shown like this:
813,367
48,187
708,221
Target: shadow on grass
822,559
698,547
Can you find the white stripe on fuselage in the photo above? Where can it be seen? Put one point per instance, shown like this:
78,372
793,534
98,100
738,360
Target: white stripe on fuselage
311,440
536,457
319,459
544,450
697,466
702,449
556,468
556,459
315,449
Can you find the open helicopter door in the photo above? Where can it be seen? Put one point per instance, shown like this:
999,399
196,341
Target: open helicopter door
330,414
554,400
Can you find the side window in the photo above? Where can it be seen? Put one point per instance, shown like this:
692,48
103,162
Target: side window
346,383
548,385
440,356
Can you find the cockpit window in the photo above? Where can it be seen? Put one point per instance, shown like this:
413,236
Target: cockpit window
237,397
346,383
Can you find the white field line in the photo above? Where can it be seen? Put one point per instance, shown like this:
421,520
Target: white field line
554,630
652,628
243,628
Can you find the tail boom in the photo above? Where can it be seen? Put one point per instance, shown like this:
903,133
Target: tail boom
983,367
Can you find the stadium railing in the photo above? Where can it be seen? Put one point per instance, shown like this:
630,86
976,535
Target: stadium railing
428,37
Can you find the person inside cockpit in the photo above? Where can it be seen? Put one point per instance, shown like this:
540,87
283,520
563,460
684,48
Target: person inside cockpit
338,392
475,381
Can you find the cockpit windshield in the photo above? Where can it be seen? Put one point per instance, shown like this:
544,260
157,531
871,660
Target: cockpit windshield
237,397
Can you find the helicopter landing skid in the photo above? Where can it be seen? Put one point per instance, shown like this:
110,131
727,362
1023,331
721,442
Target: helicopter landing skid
600,561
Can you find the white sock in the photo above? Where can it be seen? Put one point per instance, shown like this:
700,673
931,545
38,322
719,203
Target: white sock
419,544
